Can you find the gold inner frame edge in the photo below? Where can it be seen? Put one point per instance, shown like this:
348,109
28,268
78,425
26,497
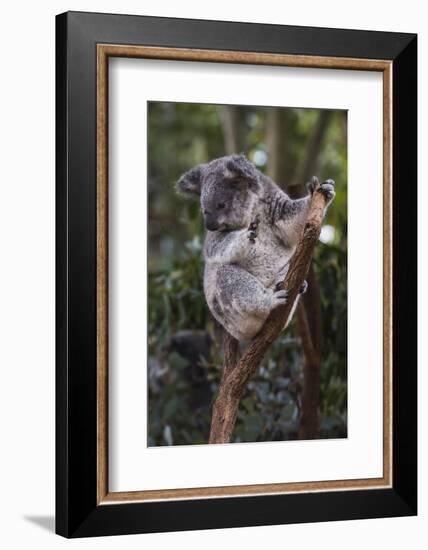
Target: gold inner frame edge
104,51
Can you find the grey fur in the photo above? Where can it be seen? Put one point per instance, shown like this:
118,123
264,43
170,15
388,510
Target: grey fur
253,230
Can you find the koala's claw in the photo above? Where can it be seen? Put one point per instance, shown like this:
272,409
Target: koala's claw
304,287
252,236
254,225
326,188
252,230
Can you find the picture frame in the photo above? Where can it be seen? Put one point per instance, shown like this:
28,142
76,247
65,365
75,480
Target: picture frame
84,44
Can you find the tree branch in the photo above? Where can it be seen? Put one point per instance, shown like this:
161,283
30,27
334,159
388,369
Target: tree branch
230,351
229,117
309,420
235,379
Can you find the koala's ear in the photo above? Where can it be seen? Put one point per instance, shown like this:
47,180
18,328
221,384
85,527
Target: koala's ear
190,182
243,168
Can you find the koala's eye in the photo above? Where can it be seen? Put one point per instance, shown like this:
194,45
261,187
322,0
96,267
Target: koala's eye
220,205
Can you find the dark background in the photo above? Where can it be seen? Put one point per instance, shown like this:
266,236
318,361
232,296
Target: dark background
185,353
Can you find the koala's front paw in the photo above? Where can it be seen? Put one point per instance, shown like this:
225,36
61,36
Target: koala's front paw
279,298
252,230
327,189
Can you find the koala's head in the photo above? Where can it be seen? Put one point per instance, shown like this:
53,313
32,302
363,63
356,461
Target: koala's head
228,188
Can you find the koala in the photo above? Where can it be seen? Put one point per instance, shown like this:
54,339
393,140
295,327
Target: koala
253,228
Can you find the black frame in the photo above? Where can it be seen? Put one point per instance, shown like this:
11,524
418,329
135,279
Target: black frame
77,513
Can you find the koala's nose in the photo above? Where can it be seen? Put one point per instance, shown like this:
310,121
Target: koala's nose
210,222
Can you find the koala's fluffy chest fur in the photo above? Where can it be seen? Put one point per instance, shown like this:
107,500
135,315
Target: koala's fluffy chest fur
240,276
266,256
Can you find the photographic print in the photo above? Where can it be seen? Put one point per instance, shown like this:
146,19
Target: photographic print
229,192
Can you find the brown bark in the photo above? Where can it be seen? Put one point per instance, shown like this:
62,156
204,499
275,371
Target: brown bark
235,379
230,351
276,132
309,330
230,121
274,141
309,417
312,302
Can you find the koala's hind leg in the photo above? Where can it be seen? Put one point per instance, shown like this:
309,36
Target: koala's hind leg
241,303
